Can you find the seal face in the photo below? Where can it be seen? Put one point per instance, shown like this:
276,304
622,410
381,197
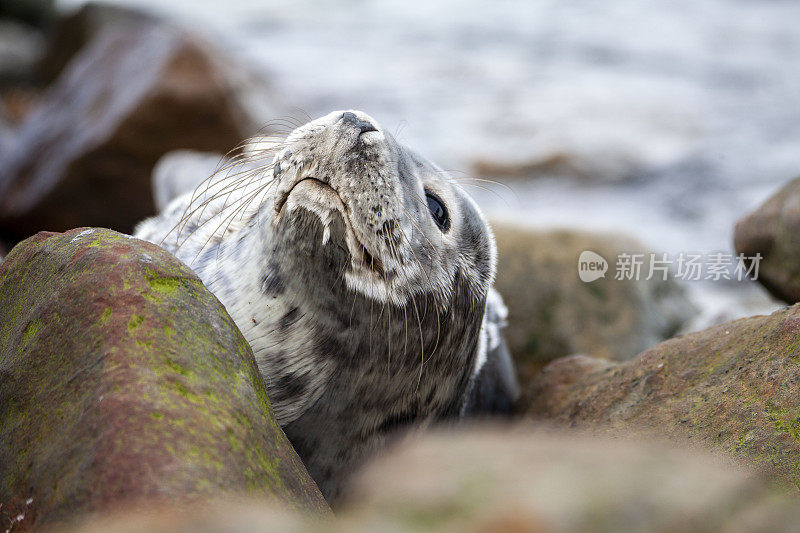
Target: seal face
359,273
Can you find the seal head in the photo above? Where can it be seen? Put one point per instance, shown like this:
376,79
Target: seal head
358,271
407,228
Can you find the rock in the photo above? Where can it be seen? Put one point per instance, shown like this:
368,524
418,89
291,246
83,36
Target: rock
72,32
20,50
521,480
123,380
610,168
210,516
500,479
251,91
552,313
773,230
732,388
85,155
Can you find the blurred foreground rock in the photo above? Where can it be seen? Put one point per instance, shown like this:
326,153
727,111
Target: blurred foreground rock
732,388
84,156
503,480
216,515
552,313
123,380
773,231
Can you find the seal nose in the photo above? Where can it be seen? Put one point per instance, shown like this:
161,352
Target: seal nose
363,125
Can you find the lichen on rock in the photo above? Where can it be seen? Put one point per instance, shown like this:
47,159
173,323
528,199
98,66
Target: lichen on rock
732,388
123,379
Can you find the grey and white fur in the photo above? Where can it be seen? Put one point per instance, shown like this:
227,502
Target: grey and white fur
364,315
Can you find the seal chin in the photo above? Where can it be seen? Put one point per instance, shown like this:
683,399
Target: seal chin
312,194
319,198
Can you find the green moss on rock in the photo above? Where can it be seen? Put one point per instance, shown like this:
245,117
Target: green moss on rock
733,388
122,378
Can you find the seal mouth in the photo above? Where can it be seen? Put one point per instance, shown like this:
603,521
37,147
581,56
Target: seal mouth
280,202
357,249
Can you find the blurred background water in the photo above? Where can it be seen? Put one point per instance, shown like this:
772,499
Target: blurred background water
679,116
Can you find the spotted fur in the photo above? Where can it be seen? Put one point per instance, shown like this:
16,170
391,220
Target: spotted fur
363,315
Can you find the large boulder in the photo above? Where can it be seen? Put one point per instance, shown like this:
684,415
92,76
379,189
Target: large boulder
76,29
84,156
732,388
773,230
124,380
552,313
521,480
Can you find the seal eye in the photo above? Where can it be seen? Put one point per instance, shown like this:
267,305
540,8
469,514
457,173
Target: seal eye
438,211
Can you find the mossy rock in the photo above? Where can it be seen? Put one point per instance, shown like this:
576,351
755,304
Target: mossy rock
123,379
773,230
552,313
732,388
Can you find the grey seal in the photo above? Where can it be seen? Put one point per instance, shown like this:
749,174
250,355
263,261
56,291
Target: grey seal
361,275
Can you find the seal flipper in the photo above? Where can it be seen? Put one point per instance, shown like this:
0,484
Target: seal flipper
494,388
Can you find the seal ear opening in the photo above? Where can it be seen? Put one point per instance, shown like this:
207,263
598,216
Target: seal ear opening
438,211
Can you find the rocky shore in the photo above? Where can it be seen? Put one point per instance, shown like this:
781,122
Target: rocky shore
129,400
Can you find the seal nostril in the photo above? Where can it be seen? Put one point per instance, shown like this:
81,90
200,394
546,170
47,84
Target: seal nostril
363,125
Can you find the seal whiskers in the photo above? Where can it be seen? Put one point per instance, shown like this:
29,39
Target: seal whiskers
358,271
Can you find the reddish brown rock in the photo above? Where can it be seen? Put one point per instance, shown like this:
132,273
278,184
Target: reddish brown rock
84,156
73,31
732,388
773,230
124,380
